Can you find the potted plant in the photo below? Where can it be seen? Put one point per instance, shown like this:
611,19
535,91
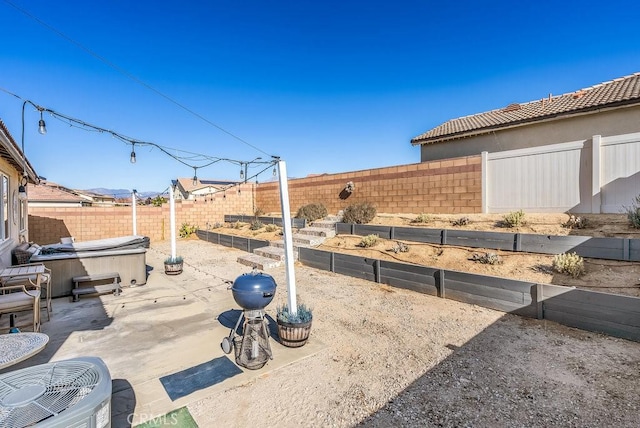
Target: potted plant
293,329
173,265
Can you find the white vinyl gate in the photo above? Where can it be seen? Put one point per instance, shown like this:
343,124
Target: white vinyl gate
592,176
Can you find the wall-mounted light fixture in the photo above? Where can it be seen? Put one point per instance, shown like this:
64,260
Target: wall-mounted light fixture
22,189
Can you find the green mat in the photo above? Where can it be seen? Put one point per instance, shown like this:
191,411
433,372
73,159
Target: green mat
178,418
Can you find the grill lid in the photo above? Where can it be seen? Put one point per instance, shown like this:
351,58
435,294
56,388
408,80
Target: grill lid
254,290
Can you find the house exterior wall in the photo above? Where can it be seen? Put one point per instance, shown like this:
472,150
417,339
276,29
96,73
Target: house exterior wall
583,127
15,233
447,186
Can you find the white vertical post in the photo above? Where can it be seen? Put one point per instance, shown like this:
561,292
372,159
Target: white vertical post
172,221
596,184
133,207
288,238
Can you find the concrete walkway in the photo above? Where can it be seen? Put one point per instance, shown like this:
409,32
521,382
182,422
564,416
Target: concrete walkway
171,324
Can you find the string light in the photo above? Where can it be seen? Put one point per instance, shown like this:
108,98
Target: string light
187,159
42,127
133,153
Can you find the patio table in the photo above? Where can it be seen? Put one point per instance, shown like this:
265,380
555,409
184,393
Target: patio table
16,347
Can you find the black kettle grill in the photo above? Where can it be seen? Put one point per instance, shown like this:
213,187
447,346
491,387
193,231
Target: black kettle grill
252,292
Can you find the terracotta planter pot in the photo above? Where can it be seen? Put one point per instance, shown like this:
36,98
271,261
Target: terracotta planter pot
294,335
173,268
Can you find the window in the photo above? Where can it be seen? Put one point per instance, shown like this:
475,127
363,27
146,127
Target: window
5,207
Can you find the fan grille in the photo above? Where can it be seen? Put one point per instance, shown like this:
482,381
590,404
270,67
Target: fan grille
66,383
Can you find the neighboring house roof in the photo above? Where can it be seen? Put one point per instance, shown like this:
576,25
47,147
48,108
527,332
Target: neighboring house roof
616,93
47,193
187,184
13,154
94,197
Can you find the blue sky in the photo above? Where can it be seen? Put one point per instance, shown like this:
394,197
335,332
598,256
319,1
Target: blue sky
329,86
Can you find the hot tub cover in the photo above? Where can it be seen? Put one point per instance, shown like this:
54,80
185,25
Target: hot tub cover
121,242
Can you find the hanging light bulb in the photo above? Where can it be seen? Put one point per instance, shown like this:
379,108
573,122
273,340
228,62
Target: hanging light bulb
274,171
133,153
42,127
241,173
195,180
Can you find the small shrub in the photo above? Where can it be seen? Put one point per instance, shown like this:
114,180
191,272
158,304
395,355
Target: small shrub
258,212
514,219
256,225
217,225
369,241
187,230
569,263
303,314
487,258
400,247
236,225
575,222
359,213
173,260
422,218
462,221
633,213
271,228
311,212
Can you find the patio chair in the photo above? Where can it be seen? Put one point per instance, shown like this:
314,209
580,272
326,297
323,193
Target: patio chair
45,286
18,298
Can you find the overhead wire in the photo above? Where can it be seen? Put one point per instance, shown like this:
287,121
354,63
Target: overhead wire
131,76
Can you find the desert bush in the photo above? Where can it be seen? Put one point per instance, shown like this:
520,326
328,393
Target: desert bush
311,212
462,221
422,218
236,225
256,225
359,213
400,247
369,241
258,212
271,228
633,213
187,230
569,263
514,219
487,258
575,222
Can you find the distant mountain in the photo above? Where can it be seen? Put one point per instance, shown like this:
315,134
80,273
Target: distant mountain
122,193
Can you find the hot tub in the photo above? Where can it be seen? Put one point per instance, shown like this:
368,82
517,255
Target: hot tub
125,255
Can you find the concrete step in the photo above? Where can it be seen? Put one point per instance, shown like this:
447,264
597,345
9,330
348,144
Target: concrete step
274,252
301,241
259,262
318,231
325,224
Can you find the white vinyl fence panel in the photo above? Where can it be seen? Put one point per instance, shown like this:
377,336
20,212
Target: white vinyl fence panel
620,173
539,179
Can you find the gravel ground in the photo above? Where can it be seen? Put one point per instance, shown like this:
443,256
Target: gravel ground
393,357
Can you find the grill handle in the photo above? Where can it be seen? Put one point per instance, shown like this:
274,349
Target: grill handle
267,294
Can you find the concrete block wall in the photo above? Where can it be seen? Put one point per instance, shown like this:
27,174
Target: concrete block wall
439,187
48,225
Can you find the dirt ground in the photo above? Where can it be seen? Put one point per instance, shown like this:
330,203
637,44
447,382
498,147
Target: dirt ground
393,357
600,275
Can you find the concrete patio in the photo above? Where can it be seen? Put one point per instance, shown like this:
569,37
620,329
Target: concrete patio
170,324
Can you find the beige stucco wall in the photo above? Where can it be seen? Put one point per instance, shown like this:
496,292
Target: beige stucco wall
578,128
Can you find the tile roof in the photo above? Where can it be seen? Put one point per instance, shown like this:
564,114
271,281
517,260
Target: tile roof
619,92
42,193
17,163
